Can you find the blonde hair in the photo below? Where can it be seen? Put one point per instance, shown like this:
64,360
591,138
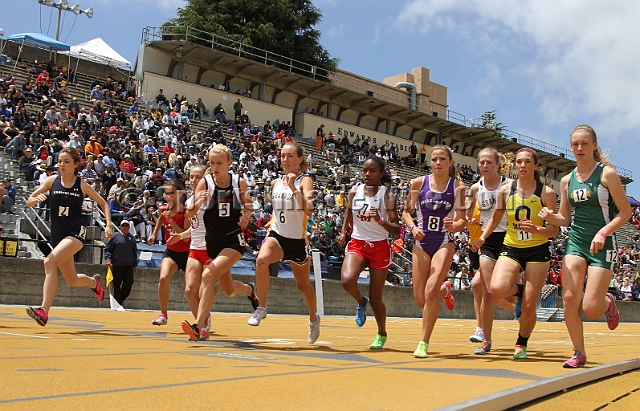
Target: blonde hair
220,149
598,155
200,167
505,160
453,171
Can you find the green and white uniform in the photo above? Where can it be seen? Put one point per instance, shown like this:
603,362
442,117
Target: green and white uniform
593,209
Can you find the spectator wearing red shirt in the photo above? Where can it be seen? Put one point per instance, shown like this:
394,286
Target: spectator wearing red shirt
262,221
167,150
127,165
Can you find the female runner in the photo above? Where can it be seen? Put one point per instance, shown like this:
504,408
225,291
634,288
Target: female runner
591,190
175,257
219,230
292,202
440,207
526,243
493,167
66,195
372,208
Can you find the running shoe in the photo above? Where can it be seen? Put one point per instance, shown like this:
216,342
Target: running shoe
612,315
449,301
191,330
207,323
517,309
484,348
98,288
314,330
520,352
361,313
257,316
161,320
38,314
378,342
578,360
421,351
478,337
204,335
253,297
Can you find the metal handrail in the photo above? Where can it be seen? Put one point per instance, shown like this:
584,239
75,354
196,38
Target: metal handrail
35,226
191,34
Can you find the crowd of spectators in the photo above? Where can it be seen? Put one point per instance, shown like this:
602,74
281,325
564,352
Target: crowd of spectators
128,153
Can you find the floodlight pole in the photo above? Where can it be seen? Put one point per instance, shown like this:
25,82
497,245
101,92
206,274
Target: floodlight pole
64,5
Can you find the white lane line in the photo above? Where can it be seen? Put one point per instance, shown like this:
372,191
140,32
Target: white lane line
23,335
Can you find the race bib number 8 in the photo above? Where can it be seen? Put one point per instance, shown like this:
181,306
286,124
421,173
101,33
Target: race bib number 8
433,223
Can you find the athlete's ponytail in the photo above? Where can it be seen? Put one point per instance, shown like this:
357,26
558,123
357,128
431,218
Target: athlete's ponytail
504,160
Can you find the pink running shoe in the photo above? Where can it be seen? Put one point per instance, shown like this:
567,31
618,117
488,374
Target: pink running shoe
612,315
38,314
161,320
204,335
98,288
578,360
207,323
449,301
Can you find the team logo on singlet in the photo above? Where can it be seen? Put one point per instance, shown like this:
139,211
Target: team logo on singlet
195,223
363,214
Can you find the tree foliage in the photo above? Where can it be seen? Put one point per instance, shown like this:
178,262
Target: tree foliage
490,122
284,27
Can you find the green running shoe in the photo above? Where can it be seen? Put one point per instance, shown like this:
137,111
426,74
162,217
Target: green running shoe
520,353
421,351
378,342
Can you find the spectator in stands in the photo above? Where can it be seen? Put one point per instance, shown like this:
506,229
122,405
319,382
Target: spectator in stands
8,195
220,114
267,129
150,148
16,146
237,108
93,147
27,164
320,137
121,256
202,107
96,94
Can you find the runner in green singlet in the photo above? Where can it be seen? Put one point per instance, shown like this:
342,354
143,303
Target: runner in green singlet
591,190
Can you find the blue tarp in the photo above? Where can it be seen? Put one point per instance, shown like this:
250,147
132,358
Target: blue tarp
39,40
633,201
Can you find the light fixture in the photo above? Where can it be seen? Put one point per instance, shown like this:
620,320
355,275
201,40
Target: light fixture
89,12
64,4
75,9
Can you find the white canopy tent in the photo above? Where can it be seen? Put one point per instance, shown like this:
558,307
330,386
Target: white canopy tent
98,51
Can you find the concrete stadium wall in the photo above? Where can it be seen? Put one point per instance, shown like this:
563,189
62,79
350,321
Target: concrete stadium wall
259,111
21,283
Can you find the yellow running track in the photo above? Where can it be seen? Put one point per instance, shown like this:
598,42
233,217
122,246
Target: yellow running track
100,359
